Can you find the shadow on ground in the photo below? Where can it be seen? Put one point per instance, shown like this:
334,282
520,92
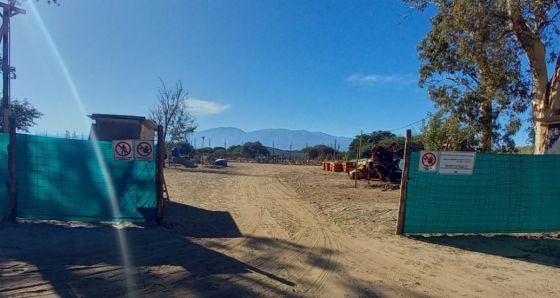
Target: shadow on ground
540,250
82,261
201,223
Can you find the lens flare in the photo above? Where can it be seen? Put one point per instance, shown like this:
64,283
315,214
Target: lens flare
123,244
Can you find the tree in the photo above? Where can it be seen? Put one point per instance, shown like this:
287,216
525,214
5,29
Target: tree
185,148
534,25
171,112
254,150
383,138
366,140
25,114
513,35
448,133
473,73
234,151
319,152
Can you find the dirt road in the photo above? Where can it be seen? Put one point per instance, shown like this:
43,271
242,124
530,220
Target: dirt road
271,230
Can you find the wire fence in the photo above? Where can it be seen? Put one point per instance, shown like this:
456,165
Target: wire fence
504,194
67,179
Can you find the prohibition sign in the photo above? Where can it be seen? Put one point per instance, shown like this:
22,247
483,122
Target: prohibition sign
429,159
122,149
144,149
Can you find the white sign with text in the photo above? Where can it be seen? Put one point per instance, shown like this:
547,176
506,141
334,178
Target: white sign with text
456,163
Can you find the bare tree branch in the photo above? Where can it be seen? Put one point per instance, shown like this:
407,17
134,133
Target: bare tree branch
170,111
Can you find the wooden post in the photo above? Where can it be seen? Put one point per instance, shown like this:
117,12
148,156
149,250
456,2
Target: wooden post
358,159
11,183
159,174
6,72
8,11
404,183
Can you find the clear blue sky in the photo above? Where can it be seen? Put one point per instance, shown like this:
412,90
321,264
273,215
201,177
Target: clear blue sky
331,66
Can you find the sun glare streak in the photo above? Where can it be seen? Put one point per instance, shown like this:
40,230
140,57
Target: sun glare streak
123,244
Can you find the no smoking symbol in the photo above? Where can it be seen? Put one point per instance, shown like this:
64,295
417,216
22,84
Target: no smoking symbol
429,160
144,149
122,149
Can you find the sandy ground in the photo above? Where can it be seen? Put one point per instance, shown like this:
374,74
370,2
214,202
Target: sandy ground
271,230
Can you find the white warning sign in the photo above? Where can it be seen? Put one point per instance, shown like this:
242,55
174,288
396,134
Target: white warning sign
428,161
144,150
122,150
457,163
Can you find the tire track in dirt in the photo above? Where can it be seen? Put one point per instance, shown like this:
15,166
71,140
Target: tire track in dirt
271,212
313,274
331,248
284,254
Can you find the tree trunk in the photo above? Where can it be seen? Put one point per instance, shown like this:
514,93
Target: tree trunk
487,129
11,183
536,56
540,102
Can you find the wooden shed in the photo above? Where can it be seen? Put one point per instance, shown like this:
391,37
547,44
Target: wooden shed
109,127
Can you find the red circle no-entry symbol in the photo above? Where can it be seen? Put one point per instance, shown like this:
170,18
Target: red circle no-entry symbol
144,149
122,149
429,160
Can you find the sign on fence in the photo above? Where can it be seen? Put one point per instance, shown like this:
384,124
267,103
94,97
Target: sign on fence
133,150
68,181
122,150
447,162
458,163
428,161
506,193
144,150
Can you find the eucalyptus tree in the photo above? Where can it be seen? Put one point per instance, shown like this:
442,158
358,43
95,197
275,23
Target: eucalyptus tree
494,57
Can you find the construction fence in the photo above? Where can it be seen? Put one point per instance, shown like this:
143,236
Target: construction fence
505,193
77,180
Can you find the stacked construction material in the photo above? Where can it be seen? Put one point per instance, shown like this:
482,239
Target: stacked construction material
348,166
336,166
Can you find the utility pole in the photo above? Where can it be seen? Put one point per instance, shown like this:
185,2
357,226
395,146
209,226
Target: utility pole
290,150
202,153
8,121
8,11
335,150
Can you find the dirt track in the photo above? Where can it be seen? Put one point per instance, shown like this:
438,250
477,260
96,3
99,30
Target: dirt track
271,230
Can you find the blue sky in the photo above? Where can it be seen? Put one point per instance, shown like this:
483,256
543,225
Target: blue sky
332,66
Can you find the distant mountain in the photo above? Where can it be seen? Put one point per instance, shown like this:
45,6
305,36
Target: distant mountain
281,138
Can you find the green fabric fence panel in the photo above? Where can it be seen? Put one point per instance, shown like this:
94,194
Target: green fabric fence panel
67,179
507,193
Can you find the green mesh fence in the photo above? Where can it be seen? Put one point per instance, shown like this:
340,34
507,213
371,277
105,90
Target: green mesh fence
63,179
505,194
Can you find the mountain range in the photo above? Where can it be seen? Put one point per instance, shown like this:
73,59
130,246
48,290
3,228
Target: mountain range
279,138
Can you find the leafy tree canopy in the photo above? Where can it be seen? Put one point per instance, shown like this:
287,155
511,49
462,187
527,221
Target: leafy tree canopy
25,114
485,62
319,152
248,150
473,72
